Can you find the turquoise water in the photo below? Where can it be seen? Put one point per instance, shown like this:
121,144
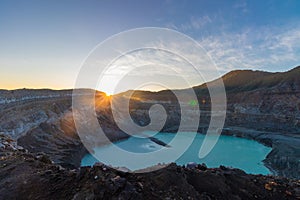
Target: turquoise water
229,151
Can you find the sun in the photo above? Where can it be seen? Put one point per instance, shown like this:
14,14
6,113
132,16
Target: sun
107,94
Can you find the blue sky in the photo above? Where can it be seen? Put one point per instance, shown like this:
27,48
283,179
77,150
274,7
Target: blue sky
43,43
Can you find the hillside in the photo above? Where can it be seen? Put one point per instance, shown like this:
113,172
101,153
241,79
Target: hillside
248,80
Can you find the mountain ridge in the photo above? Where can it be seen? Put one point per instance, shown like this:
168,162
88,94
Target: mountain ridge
246,80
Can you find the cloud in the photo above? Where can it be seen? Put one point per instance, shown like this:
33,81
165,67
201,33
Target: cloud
152,62
288,40
148,67
256,49
241,5
194,23
268,48
198,23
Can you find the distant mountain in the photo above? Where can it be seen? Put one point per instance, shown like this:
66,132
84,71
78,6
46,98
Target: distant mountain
235,82
247,80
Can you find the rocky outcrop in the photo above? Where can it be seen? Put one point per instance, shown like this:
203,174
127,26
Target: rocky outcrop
7,144
65,150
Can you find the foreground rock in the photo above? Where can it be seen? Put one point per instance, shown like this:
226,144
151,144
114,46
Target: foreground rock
33,176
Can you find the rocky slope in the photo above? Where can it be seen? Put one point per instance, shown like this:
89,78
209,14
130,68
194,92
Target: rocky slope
268,106
34,118
44,180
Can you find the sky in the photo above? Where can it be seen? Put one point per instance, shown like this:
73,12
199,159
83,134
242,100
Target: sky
43,44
